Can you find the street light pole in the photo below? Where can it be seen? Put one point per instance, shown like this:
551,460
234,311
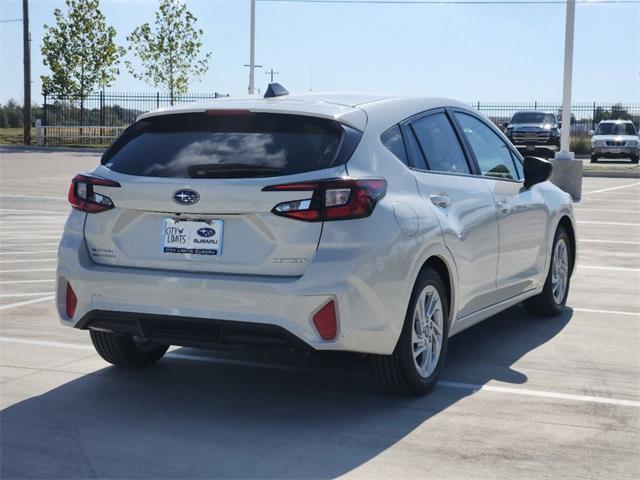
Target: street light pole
26,58
252,49
567,171
565,146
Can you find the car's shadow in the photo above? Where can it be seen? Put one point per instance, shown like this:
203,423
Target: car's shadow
186,418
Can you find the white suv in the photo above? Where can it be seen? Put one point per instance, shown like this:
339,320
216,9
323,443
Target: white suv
615,139
328,222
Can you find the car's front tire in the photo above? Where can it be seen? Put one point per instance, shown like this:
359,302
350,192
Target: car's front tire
415,364
635,159
126,351
551,301
594,158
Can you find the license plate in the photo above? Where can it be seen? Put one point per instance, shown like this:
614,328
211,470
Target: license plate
192,237
615,150
531,147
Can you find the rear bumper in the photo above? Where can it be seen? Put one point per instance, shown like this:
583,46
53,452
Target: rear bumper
365,323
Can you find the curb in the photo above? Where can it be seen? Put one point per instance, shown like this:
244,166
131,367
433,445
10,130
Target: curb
610,174
42,148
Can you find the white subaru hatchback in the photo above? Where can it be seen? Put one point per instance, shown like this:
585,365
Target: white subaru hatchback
325,222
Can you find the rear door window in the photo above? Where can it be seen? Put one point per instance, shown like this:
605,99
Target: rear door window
440,144
230,145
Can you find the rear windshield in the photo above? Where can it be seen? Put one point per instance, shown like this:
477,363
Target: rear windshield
230,145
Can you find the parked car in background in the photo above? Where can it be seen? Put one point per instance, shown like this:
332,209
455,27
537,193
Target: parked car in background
615,139
332,222
534,131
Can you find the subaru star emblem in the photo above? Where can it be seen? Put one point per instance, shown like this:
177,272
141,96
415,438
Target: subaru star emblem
206,232
186,197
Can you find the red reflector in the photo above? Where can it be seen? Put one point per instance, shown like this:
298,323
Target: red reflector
325,321
72,301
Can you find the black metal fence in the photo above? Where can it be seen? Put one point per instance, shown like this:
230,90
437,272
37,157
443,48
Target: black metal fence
109,109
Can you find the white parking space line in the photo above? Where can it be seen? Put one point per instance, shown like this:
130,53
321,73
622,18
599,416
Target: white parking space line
583,208
25,244
607,312
50,229
442,383
629,185
31,252
30,260
45,197
597,267
621,242
588,222
32,294
30,270
26,210
44,237
11,282
26,302
540,393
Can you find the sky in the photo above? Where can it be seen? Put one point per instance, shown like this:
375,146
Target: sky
487,52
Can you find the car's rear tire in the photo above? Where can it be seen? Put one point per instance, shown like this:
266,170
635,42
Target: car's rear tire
415,364
125,351
551,301
594,158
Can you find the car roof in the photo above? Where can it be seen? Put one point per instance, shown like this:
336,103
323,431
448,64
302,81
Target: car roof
353,109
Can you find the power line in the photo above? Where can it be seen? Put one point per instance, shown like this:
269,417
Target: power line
453,2
11,20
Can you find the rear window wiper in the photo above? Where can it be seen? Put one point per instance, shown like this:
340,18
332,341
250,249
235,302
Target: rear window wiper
231,170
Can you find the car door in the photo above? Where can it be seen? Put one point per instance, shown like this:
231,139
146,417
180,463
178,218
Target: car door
522,213
462,203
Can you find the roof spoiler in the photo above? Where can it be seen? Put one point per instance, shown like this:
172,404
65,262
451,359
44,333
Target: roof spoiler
275,90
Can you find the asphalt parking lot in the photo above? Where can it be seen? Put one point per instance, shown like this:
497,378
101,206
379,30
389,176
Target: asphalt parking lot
521,397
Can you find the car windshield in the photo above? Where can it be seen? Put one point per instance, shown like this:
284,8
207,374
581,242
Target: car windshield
611,128
532,117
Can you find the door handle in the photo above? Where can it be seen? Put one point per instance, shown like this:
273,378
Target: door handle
503,207
441,201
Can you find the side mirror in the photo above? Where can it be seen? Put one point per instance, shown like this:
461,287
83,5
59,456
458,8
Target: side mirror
591,133
536,170
504,125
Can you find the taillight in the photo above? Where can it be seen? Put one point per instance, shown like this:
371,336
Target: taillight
82,196
331,199
71,301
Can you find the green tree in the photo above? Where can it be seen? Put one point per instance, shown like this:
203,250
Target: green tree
169,53
80,51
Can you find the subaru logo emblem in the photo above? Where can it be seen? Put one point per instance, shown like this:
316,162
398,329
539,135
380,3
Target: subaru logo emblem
186,197
206,232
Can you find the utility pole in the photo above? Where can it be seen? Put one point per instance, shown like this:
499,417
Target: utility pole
26,55
272,73
252,49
